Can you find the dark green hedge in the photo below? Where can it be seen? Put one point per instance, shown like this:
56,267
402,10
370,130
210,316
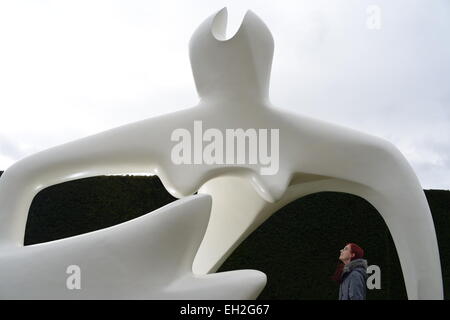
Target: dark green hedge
85,205
297,247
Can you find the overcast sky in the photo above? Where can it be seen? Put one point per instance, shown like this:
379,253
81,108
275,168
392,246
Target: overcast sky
69,69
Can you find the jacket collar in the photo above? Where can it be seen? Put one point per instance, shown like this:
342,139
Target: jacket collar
357,263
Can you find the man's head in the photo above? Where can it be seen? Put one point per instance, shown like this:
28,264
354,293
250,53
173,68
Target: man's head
350,252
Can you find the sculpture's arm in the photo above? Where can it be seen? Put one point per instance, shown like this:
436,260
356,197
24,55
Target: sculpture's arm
377,171
120,150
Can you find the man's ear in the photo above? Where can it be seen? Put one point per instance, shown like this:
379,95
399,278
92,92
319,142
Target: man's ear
353,255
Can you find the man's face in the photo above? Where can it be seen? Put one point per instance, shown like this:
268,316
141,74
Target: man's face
346,254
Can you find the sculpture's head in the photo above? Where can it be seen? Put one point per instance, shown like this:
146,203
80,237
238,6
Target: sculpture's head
238,67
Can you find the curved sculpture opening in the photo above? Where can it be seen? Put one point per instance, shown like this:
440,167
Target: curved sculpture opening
298,247
84,205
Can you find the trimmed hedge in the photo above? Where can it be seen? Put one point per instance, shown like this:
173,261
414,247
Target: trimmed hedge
297,247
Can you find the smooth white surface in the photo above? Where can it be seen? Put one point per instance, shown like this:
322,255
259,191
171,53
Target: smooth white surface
232,78
149,257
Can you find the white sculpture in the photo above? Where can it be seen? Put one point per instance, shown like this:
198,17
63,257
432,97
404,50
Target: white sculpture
151,256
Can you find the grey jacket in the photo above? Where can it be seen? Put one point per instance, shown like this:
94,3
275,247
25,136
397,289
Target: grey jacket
354,277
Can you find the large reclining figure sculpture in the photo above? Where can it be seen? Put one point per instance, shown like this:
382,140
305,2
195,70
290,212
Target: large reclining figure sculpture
153,256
